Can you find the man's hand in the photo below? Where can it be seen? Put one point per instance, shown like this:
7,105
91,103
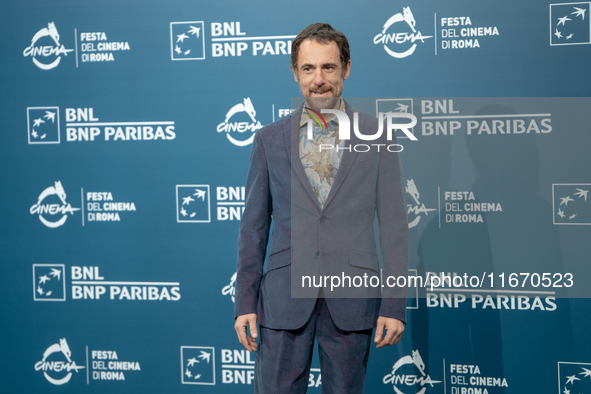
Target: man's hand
242,322
394,329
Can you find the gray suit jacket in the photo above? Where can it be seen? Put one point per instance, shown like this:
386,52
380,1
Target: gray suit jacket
337,240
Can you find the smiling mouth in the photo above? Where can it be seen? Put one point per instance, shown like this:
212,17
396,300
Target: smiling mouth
321,94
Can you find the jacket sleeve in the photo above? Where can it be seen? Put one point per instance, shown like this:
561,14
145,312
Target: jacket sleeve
394,233
254,231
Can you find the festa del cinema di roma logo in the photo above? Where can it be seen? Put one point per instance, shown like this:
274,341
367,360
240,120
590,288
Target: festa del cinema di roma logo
239,125
395,35
46,56
47,211
404,377
53,364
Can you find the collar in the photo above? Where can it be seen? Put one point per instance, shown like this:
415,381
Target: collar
305,117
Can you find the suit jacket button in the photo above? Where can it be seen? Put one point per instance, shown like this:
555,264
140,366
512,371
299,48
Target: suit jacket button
323,218
318,254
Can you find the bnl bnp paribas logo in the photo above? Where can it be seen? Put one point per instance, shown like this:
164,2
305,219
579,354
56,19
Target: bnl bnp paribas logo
399,35
570,205
574,378
43,125
570,23
82,125
187,40
57,364
51,206
198,365
49,282
193,203
45,50
225,39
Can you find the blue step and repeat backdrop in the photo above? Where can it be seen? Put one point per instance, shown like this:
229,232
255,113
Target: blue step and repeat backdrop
126,135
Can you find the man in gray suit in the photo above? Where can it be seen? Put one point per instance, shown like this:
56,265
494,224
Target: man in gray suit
323,203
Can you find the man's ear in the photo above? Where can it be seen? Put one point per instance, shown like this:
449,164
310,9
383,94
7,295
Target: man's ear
295,75
347,70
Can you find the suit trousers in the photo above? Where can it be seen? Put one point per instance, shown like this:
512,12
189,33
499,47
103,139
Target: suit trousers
282,364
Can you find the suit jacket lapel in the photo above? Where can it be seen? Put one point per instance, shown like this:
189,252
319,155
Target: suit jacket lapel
346,160
292,144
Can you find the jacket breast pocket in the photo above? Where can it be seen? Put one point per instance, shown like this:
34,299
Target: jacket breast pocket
365,260
278,260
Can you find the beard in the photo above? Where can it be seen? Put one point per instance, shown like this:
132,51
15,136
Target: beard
318,103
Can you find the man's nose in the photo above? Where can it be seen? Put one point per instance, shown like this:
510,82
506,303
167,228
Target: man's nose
319,78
